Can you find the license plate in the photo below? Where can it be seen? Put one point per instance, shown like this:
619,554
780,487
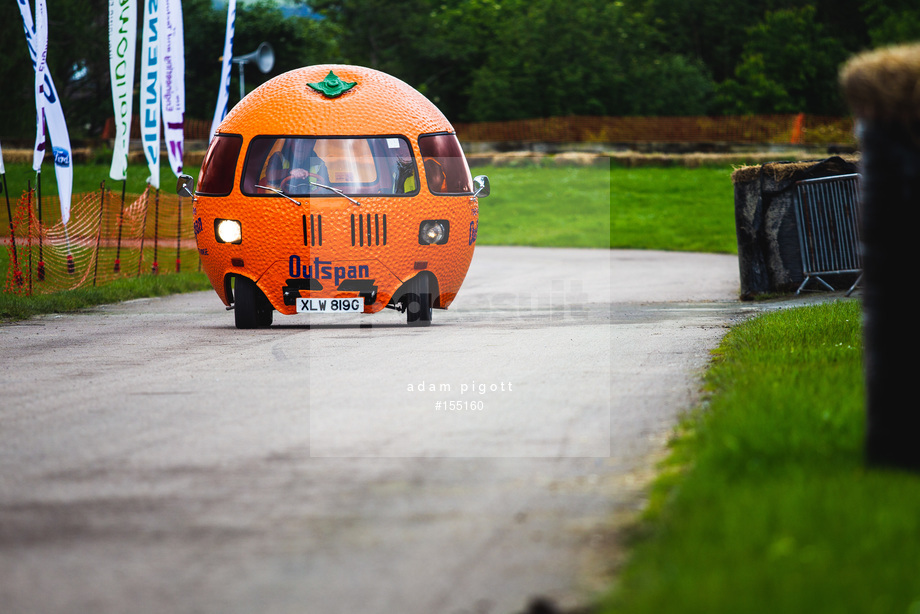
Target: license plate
330,305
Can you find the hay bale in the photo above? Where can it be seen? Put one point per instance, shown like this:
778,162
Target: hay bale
580,158
769,257
781,170
883,87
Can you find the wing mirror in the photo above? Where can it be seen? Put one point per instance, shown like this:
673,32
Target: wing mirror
480,186
185,186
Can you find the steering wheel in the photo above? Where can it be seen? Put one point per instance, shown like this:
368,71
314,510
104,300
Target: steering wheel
291,180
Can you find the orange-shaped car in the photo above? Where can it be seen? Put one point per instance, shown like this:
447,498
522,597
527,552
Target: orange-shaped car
335,189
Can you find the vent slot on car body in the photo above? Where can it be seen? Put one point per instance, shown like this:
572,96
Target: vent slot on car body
313,235
368,229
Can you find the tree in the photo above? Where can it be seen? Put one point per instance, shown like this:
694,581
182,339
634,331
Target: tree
493,59
584,57
78,58
712,32
669,85
789,64
296,41
892,21
432,45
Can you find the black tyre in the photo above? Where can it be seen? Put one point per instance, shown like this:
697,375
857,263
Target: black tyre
251,308
418,302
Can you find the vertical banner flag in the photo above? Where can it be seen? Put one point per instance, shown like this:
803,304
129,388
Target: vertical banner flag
41,57
223,95
52,113
150,90
172,71
2,170
122,41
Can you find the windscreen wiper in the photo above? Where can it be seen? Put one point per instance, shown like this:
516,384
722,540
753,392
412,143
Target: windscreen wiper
280,193
336,190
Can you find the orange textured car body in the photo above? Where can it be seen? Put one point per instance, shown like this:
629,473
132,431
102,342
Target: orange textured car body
336,182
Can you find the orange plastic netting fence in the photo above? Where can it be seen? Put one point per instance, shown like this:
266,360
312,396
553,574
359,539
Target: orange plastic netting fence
106,238
773,129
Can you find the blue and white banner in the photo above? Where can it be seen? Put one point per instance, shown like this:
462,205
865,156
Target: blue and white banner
41,57
52,114
2,170
122,42
223,95
172,80
150,90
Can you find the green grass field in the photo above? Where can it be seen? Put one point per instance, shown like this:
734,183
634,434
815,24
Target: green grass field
86,178
673,209
765,504
647,208
545,207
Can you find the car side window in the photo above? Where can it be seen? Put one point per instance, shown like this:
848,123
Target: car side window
219,165
446,170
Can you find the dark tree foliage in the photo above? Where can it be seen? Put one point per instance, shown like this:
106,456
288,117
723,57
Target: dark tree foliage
892,21
788,64
508,59
432,45
296,41
79,61
482,60
78,58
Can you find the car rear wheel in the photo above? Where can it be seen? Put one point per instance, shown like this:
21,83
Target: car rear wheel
251,308
418,302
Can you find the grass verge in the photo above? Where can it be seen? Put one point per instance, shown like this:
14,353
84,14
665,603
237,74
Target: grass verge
14,307
765,504
87,178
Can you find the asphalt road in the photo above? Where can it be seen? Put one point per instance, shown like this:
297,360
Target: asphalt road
155,459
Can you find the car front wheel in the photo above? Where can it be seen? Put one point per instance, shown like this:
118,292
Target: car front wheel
418,302
251,308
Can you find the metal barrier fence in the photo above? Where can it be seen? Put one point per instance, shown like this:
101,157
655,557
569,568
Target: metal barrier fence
827,214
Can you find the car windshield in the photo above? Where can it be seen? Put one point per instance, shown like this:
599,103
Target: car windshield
307,166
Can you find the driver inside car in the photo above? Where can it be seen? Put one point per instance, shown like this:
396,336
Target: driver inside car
307,165
292,167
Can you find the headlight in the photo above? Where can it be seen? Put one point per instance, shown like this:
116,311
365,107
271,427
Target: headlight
228,231
433,232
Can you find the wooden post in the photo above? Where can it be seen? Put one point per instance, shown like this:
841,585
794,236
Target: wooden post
179,236
99,232
17,273
29,188
882,89
40,271
155,267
